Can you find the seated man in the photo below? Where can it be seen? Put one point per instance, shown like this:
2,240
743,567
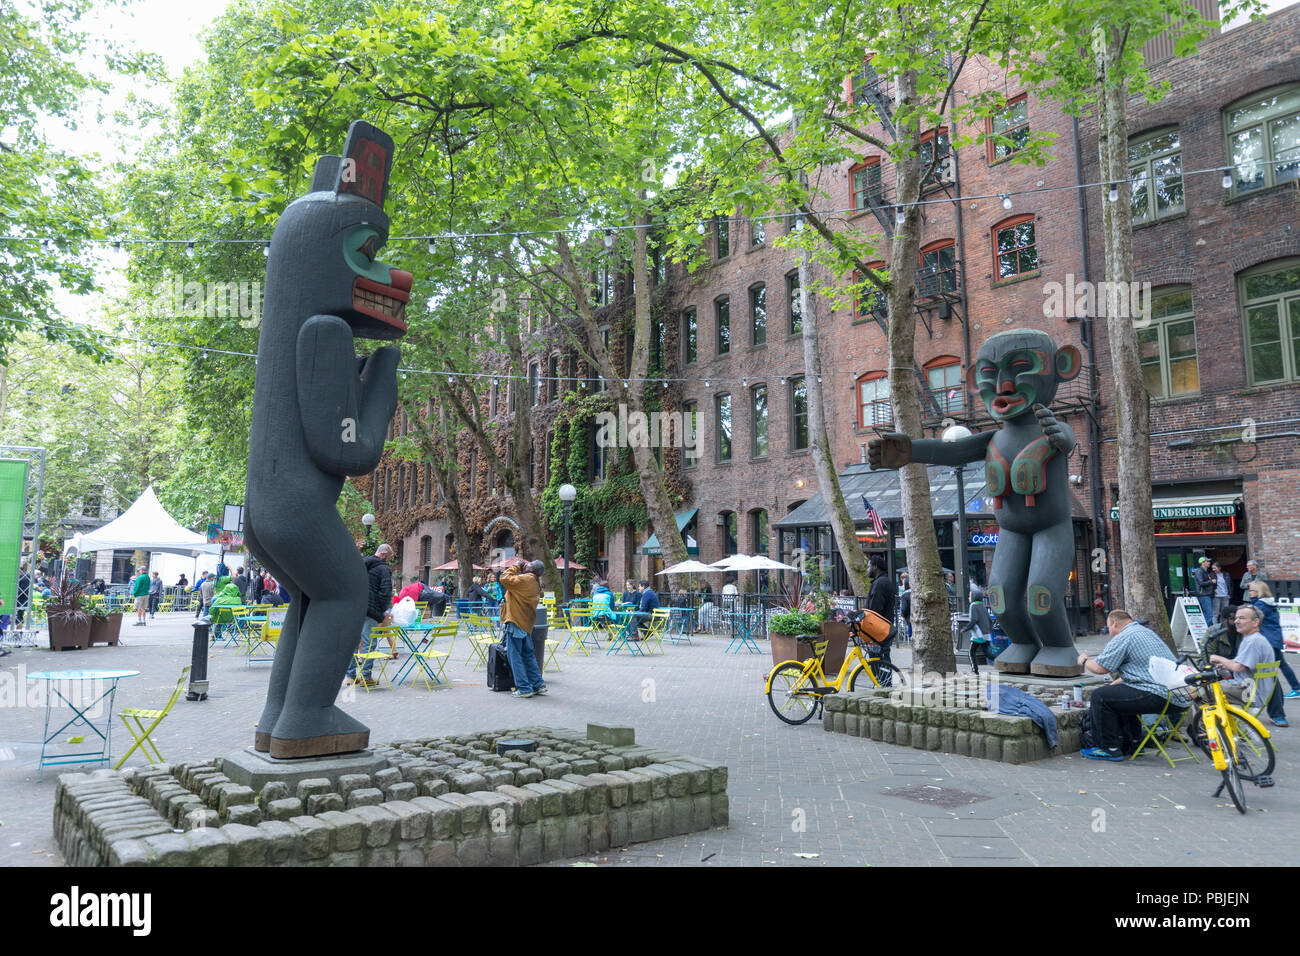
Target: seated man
649,602
1253,651
1115,707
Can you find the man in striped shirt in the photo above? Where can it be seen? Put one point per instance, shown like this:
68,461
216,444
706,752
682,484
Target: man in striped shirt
1115,707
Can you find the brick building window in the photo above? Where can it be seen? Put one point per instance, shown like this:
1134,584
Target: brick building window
943,169
690,337
428,484
758,421
730,544
758,533
1263,139
870,302
864,181
691,427
758,314
1167,347
553,376
938,268
722,316
722,236
534,385
873,400
798,413
944,377
1270,297
1015,250
794,303
1008,131
722,413
1156,170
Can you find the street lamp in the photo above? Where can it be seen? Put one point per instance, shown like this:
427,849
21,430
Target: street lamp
368,520
567,494
957,433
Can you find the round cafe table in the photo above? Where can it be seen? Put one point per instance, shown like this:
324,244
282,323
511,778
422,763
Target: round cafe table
67,687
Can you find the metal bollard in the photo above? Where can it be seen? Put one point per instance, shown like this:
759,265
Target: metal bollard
198,689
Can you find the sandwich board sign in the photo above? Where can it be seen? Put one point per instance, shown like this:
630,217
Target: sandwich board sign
1188,618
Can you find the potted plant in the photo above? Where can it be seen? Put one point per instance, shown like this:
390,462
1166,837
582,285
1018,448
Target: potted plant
68,622
792,633
811,597
105,627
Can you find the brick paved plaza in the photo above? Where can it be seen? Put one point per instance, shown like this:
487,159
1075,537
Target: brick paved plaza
798,796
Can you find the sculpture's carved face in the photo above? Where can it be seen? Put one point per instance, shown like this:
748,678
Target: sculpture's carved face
1017,370
327,242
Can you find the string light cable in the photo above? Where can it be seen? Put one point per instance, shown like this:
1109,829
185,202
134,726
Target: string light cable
608,231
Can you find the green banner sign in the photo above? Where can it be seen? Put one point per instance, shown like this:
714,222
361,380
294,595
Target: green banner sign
13,505
1187,511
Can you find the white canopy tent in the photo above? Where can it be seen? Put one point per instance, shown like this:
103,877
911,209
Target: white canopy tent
145,526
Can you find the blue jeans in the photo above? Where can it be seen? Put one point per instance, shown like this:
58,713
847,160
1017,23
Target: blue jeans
367,644
1287,672
1207,607
523,661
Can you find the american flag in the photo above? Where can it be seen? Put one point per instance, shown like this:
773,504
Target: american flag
877,525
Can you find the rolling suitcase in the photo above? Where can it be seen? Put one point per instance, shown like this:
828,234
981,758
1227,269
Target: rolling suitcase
499,675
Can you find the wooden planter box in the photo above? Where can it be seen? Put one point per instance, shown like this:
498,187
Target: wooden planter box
65,637
787,648
105,630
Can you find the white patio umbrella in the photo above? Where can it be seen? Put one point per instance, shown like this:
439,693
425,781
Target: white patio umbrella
689,567
757,562
726,563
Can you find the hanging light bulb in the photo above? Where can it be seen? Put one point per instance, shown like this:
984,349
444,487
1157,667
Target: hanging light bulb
448,379
1227,177
744,383
403,376
431,245
706,383
609,238
665,386
117,247
266,248
625,384
699,227
1006,201
900,216
205,353
46,245
782,379
1113,196
189,249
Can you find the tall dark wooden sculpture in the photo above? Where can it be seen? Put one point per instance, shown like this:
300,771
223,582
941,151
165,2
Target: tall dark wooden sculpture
319,415
1016,374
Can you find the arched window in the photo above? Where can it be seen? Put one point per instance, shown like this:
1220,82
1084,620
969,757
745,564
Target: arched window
865,185
1270,300
873,400
1155,163
944,377
1167,346
870,302
426,558
728,533
1262,132
938,273
1015,248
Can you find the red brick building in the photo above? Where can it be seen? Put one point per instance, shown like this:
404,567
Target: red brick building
732,347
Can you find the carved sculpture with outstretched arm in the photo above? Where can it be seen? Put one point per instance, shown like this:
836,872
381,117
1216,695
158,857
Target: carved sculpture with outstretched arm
1016,374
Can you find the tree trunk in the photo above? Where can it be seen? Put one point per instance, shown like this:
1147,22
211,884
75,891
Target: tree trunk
855,564
441,455
1141,575
931,620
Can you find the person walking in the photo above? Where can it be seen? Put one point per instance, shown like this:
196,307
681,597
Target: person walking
1222,588
140,591
882,598
207,591
379,608
1252,574
155,593
520,580
1261,598
1203,585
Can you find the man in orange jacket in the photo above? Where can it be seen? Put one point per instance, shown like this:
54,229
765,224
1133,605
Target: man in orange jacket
518,616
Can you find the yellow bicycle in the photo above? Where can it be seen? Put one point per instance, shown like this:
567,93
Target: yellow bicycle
795,688
1235,742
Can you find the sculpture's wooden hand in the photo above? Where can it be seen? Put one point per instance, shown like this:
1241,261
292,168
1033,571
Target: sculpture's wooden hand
1057,434
892,450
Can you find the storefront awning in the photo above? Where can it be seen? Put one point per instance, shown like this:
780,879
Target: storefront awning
1208,506
883,490
683,518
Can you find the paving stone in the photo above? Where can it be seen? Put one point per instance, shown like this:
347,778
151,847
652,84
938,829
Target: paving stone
312,786
369,797
319,803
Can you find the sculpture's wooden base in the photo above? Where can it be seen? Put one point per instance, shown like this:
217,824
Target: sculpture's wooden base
1006,667
1053,670
262,742
314,746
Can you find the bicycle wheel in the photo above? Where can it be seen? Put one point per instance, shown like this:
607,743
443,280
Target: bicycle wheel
1231,774
790,693
1255,756
878,674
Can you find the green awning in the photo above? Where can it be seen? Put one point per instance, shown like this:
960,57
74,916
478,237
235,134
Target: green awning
683,518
